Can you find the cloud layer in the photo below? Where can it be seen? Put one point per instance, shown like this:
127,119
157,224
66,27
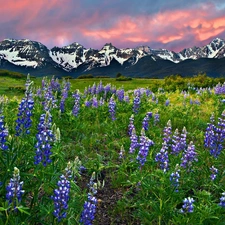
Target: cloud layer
129,23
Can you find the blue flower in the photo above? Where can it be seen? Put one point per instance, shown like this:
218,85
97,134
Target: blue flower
222,200
144,145
14,190
188,205
26,106
134,141
163,157
76,107
45,139
189,156
145,122
3,133
112,108
88,213
214,172
61,198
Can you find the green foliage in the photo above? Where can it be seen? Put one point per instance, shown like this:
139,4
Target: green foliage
7,73
123,78
85,76
127,193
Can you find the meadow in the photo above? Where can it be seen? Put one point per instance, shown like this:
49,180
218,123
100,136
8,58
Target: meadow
101,151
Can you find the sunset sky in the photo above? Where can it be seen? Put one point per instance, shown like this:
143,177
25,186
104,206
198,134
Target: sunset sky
171,24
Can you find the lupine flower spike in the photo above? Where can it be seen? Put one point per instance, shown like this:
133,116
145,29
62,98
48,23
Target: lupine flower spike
3,132
144,145
45,139
88,213
188,205
14,190
61,194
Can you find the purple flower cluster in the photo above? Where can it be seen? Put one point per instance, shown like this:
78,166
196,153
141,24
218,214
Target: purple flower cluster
45,139
26,106
61,197
214,172
136,102
120,94
174,178
189,156
188,206
156,118
88,213
178,141
134,141
219,89
131,125
163,157
222,200
167,133
215,135
112,108
144,145
64,95
76,107
14,190
145,123
3,133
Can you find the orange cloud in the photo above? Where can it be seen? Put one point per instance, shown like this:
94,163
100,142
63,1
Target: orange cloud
58,23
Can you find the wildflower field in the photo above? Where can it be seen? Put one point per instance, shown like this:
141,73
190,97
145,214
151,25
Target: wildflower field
112,155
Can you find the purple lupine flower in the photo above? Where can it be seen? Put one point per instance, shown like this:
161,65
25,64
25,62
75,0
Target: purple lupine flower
136,103
188,205
64,96
88,213
126,98
222,200
54,84
189,156
214,172
88,103
49,100
45,139
76,107
100,88
3,133
167,133
14,190
163,157
176,143
93,89
101,101
94,102
61,195
148,92
167,102
120,94
144,145
131,125
134,142
145,122
112,108
26,106
215,136
174,178
156,118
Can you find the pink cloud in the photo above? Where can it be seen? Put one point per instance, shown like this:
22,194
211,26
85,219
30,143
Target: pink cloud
57,23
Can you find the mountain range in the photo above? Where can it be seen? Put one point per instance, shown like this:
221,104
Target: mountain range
33,57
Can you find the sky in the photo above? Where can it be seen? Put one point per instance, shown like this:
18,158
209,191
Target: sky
170,24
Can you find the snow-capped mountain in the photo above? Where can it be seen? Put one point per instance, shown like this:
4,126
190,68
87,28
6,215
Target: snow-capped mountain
24,52
76,58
